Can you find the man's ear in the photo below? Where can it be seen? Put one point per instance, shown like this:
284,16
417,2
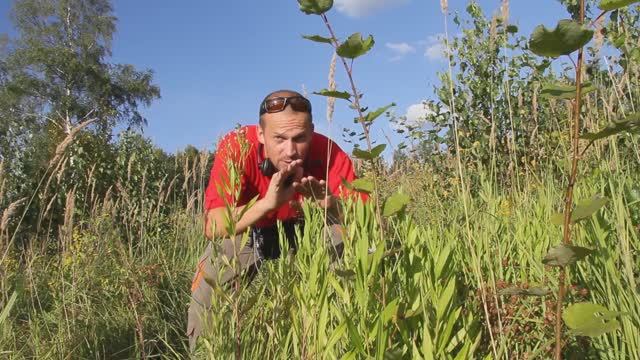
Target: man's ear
260,134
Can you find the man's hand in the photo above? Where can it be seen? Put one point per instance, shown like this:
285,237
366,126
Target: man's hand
315,189
282,186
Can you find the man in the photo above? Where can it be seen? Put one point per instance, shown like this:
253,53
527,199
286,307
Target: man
263,172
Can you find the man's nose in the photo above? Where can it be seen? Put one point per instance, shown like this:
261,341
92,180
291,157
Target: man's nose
291,151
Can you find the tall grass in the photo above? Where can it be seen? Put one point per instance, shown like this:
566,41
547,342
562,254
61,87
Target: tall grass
106,296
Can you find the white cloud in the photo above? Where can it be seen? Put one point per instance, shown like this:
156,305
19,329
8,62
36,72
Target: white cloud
434,49
400,50
358,8
417,114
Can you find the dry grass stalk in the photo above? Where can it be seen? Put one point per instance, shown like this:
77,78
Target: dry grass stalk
2,181
504,11
8,213
91,180
331,101
169,188
129,168
71,135
186,172
66,235
202,162
47,209
444,6
598,35
190,204
493,29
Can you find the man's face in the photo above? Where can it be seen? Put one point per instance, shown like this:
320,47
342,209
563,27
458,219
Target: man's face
286,136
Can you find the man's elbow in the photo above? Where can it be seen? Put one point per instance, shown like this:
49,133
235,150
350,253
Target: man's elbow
212,229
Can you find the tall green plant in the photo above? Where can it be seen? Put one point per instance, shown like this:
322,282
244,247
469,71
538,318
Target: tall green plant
567,38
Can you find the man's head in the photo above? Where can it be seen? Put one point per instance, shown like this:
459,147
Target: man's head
286,127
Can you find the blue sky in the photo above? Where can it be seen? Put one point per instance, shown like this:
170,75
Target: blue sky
215,60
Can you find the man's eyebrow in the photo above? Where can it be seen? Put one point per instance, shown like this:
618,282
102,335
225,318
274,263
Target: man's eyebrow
284,135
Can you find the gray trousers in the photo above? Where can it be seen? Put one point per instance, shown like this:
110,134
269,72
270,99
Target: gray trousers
213,269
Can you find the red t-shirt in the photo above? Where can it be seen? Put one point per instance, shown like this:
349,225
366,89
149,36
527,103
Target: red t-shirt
240,147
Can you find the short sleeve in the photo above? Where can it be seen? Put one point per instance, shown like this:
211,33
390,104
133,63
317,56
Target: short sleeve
227,176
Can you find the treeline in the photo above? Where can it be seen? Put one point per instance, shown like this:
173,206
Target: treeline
504,98
61,101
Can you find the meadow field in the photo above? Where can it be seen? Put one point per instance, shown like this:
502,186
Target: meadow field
457,254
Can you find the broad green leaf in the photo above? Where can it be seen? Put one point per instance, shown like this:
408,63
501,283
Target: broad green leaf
512,29
355,46
629,124
534,291
588,207
567,37
583,210
563,255
361,154
564,91
608,5
377,150
315,6
395,203
369,155
332,93
375,114
318,38
588,319
363,185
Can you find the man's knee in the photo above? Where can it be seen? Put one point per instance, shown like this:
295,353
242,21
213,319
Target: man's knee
216,267
336,239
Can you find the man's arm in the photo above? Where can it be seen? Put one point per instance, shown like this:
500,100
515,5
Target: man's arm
216,219
279,192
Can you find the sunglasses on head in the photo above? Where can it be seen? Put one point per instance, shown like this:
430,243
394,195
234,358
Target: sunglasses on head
277,104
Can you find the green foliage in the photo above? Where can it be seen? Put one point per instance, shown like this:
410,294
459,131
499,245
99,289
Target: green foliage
588,319
371,116
563,255
629,124
588,207
608,5
59,60
583,210
335,94
316,7
369,155
355,46
362,184
567,37
502,122
318,38
563,91
395,203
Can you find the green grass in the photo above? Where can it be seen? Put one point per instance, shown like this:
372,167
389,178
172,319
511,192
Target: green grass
410,294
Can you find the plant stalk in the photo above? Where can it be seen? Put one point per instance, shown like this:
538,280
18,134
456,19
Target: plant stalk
568,204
